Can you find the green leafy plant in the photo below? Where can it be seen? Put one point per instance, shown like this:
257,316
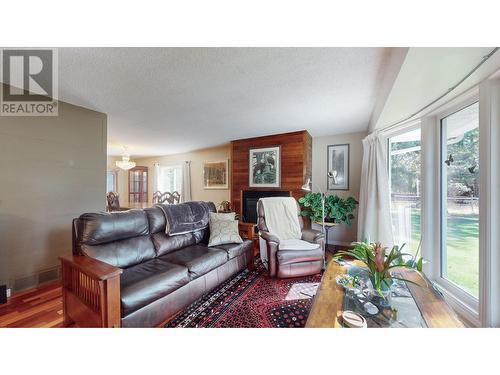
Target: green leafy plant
337,209
379,263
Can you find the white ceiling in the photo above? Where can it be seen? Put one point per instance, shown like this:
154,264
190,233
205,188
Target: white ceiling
426,74
162,101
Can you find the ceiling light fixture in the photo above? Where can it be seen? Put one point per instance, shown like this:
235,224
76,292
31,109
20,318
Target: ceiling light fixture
125,163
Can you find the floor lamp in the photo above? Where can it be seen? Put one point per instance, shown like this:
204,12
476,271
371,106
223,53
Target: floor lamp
308,186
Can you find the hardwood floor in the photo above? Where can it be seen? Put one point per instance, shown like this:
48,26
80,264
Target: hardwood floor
39,307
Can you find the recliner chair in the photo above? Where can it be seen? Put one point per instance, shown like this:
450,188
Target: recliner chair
291,262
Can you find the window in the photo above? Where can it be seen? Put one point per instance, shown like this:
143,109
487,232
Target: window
170,179
404,174
111,181
459,258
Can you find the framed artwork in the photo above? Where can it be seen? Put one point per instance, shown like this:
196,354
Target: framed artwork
265,167
215,174
338,167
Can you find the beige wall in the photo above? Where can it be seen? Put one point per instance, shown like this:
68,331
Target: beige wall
197,158
342,234
52,170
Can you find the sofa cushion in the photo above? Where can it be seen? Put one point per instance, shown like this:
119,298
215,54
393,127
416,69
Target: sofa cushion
156,218
149,281
236,249
295,244
101,227
199,259
165,244
186,217
117,238
122,253
297,256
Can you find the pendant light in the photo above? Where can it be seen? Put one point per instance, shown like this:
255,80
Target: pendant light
125,163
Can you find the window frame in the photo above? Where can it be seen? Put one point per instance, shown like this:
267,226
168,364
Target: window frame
485,313
468,303
405,128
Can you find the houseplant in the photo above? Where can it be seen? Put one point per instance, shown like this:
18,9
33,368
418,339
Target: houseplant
379,263
337,209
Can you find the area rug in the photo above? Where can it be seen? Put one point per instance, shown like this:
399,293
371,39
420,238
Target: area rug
251,299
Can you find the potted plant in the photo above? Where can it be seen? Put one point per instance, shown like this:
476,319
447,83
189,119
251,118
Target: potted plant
337,209
379,264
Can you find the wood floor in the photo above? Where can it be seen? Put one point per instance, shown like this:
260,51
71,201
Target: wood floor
39,307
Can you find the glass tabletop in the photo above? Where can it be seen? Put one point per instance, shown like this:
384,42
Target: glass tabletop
399,310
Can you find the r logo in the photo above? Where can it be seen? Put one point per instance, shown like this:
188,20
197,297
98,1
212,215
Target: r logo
28,74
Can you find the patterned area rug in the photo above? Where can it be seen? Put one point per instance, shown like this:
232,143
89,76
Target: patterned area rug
251,299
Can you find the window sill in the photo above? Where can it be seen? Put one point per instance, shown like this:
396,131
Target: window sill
468,314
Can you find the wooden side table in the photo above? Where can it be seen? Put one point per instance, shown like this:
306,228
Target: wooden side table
248,232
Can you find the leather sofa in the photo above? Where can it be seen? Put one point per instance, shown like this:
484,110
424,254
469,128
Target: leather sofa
138,268
291,262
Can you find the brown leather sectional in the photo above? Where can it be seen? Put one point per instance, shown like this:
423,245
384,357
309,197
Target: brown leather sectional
127,271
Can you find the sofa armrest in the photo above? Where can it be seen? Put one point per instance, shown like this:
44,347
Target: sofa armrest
272,243
312,235
92,267
91,292
269,237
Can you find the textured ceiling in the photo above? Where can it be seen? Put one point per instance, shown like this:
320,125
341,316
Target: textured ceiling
168,100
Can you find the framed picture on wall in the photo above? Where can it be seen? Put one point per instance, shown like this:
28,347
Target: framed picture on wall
338,167
265,167
215,174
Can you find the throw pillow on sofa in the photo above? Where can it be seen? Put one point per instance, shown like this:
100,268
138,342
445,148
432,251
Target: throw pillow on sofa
223,229
226,216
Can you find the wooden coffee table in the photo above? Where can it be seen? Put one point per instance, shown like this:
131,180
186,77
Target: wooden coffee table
327,305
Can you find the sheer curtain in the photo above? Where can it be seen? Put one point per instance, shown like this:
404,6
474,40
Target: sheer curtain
186,182
374,213
156,177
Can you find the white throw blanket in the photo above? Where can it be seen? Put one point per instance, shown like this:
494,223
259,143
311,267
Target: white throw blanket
281,217
283,222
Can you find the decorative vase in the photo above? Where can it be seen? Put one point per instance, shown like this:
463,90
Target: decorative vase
384,298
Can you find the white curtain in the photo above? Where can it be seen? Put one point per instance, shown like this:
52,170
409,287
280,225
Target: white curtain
186,182
156,177
374,213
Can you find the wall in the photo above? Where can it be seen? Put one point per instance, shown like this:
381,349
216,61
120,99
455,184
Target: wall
52,171
341,235
197,158
295,163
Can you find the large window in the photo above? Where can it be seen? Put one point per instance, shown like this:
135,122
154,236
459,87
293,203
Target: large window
404,172
170,179
111,184
460,199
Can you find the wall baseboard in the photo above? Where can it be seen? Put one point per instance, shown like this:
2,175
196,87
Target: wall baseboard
37,279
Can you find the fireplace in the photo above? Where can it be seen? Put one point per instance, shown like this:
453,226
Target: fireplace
250,199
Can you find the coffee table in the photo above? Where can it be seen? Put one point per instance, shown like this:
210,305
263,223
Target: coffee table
427,304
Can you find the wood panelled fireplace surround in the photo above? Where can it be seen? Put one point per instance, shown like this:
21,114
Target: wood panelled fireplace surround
296,168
